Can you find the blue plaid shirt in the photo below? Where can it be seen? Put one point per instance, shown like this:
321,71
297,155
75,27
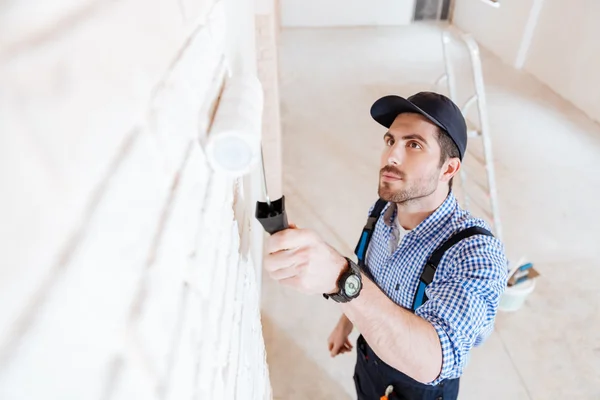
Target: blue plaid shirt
467,286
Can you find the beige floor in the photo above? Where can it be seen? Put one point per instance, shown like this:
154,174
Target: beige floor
547,155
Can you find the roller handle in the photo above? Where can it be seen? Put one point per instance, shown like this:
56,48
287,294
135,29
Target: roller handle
272,217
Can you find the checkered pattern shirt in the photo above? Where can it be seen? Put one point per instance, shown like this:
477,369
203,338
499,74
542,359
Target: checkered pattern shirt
467,286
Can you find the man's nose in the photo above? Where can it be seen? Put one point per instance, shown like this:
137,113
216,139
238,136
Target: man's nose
394,156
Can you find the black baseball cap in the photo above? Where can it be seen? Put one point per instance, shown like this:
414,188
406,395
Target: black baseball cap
437,108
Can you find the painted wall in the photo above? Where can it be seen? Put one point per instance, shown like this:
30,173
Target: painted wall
555,40
125,270
565,52
499,29
330,13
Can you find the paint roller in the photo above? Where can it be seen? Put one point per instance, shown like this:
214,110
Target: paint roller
234,143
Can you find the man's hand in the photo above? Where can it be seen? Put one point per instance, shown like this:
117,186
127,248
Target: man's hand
301,259
338,340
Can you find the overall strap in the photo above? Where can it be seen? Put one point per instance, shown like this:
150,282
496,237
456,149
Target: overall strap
367,232
433,262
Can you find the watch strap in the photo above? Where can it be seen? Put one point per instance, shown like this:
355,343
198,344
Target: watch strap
337,297
353,266
340,296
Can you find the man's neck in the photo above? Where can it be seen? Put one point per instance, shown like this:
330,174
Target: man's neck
412,213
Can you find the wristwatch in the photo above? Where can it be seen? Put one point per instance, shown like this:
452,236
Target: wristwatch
349,284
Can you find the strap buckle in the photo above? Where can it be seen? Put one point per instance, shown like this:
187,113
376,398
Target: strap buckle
371,221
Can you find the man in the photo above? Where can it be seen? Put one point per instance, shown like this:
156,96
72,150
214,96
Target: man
428,289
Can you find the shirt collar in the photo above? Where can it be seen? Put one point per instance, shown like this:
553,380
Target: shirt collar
437,218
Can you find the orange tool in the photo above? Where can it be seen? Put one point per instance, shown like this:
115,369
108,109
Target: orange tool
388,391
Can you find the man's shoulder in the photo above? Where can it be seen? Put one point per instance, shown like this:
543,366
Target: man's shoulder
466,221
462,219
480,248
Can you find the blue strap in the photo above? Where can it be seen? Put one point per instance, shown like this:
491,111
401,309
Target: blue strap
433,261
365,236
431,264
362,245
420,295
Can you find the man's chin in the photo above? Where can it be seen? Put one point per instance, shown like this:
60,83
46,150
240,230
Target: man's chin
386,193
391,184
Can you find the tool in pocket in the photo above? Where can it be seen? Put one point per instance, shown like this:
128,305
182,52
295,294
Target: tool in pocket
388,392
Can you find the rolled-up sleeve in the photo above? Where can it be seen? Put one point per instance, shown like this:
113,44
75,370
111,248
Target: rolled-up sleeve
463,299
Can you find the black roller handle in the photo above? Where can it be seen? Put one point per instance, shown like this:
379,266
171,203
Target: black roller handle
272,215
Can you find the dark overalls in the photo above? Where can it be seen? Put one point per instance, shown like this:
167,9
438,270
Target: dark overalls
372,377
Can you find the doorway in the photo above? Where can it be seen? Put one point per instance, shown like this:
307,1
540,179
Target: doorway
431,10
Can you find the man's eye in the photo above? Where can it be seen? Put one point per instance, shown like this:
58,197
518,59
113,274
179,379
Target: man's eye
414,145
389,142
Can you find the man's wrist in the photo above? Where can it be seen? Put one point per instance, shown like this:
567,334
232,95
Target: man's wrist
346,321
342,268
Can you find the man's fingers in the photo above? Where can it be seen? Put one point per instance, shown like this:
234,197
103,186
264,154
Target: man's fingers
335,351
294,282
280,260
285,264
285,273
288,239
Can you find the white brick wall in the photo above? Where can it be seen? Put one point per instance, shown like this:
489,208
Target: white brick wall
121,272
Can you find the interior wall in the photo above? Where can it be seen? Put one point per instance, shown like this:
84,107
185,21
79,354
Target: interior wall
499,29
565,52
124,263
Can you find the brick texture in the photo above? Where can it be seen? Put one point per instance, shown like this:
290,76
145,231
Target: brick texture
121,274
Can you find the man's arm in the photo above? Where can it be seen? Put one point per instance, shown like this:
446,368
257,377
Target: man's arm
401,339
434,343
431,345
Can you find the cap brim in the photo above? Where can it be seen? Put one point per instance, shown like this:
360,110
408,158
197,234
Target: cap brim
386,109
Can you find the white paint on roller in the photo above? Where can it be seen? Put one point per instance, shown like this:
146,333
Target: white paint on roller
233,145
232,153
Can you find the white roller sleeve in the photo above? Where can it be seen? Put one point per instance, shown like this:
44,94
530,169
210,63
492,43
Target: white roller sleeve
233,144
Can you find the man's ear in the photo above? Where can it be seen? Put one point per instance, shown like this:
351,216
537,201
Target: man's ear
450,169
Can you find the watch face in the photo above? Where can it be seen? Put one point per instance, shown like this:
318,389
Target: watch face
352,285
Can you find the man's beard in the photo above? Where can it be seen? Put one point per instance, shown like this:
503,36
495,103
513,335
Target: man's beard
412,191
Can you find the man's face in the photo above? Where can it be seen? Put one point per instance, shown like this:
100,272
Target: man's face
410,162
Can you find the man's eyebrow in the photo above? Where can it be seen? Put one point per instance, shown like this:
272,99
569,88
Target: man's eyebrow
414,136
